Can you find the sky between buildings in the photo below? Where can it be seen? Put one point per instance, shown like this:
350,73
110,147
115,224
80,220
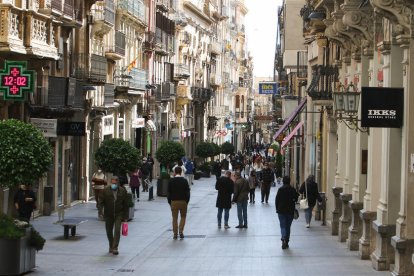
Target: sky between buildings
261,25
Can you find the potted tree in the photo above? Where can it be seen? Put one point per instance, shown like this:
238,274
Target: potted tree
25,156
226,149
168,153
118,157
205,150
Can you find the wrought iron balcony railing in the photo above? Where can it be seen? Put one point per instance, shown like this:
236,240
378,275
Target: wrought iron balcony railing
138,79
323,82
134,8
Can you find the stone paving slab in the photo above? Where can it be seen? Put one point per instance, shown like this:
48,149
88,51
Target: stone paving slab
150,250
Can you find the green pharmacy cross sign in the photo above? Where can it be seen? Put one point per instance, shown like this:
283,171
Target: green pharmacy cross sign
15,80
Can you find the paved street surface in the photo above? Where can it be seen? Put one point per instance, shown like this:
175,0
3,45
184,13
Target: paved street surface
206,250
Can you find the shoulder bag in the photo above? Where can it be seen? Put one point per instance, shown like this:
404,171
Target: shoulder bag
303,203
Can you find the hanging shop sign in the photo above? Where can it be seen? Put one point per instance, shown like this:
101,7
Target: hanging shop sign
268,88
16,80
46,126
138,123
382,107
71,128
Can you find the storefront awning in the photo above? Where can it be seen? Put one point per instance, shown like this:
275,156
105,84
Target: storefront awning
292,116
150,126
291,134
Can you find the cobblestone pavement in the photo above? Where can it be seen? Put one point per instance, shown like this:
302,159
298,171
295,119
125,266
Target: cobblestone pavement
206,250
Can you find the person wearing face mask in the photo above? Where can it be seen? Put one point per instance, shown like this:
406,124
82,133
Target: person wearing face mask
115,208
25,202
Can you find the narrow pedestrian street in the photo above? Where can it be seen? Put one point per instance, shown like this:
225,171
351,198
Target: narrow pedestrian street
206,250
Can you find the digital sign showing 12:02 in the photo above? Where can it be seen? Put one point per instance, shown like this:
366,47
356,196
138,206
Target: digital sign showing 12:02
16,80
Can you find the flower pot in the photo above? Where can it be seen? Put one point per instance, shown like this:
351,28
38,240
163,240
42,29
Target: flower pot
17,256
162,187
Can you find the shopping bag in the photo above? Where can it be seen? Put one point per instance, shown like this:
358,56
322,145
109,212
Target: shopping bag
303,203
124,229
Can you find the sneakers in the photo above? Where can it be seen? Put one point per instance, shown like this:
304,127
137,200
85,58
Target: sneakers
245,226
110,250
226,226
307,225
175,237
181,236
285,244
219,226
239,226
115,251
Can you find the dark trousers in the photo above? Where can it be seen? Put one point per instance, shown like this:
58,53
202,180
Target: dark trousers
285,221
252,195
265,191
135,191
151,193
113,231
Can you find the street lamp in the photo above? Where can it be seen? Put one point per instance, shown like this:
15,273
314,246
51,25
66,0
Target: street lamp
346,105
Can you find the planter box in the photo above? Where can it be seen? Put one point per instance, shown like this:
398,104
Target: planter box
17,256
162,187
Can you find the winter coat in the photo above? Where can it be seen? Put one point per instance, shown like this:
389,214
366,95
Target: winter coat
241,190
178,189
189,166
267,175
114,207
225,188
313,193
285,200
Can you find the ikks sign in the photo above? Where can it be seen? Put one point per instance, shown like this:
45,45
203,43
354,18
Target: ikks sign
269,88
382,107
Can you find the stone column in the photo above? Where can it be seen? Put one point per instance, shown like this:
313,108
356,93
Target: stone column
403,241
383,254
336,213
345,218
367,240
354,231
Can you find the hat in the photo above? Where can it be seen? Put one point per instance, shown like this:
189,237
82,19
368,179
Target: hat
144,159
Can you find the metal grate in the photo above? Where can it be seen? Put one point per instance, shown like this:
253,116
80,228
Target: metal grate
125,270
194,236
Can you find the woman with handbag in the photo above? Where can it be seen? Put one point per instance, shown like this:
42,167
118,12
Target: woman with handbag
286,199
309,190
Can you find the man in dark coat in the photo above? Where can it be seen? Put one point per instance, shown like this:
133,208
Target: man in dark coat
25,202
178,197
224,186
115,207
217,169
241,195
310,191
267,177
285,206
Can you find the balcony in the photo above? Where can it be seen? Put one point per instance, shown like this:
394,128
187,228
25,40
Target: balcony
201,94
63,10
163,5
26,32
117,50
161,42
148,44
95,73
168,91
215,80
103,17
183,95
181,71
322,84
134,10
216,47
138,79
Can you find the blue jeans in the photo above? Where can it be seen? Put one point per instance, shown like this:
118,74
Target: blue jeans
308,214
242,212
285,221
226,215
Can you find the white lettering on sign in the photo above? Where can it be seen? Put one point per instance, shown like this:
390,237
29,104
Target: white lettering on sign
382,114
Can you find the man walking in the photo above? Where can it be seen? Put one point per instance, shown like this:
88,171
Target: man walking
178,197
241,195
267,179
114,204
189,166
224,186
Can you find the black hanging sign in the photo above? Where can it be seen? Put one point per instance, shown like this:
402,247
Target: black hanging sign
382,107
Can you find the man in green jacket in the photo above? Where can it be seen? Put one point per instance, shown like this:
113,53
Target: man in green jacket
115,208
241,195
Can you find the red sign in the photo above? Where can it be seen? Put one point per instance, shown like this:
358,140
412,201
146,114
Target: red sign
15,80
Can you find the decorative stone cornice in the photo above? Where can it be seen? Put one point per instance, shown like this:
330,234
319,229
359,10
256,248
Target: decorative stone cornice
397,11
341,29
332,34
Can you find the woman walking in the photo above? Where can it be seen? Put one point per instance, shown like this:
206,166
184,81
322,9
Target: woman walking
286,199
252,185
310,191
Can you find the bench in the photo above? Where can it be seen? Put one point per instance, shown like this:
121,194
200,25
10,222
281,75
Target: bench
70,223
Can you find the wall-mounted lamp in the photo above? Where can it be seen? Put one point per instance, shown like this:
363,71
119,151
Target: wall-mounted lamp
346,105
